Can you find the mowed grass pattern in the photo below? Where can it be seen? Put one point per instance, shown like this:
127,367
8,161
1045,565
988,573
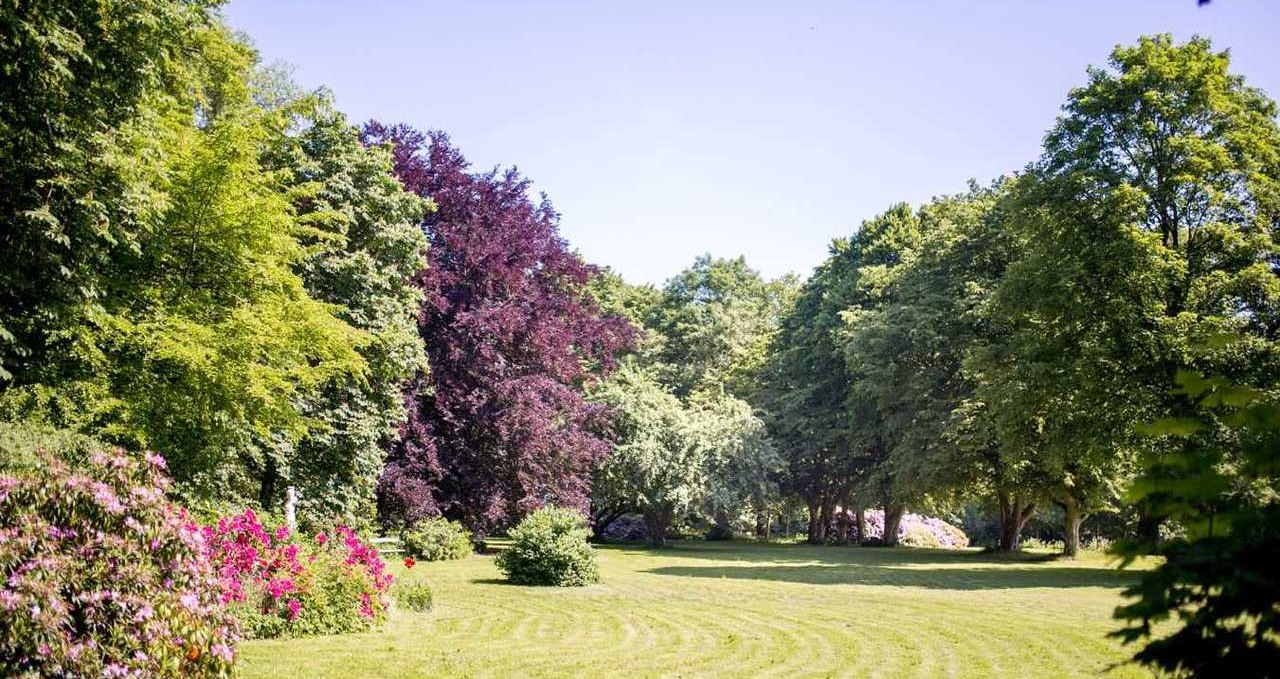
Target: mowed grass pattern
741,610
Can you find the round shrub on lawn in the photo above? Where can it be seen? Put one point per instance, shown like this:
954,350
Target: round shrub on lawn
436,539
549,547
104,577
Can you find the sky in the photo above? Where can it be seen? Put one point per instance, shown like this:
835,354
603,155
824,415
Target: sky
665,129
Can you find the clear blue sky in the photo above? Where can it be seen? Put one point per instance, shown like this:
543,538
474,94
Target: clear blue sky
665,129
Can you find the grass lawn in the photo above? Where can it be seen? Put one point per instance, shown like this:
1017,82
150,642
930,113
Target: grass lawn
740,610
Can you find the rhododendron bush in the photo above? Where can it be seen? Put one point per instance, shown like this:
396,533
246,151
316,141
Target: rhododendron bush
278,583
105,578
915,530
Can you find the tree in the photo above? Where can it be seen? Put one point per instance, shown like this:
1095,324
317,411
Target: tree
1149,222
714,324
806,389
657,466
74,161
193,335
741,463
363,246
500,426
907,355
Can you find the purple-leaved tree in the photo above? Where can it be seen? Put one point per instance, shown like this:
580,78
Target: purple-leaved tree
499,426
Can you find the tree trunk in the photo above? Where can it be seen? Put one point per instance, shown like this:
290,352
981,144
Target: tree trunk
860,525
892,519
762,525
267,486
828,519
656,524
1072,518
815,522
1014,515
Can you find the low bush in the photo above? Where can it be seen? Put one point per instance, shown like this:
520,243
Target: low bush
279,584
104,577
549,547
436,539
915,530
414,596
626,528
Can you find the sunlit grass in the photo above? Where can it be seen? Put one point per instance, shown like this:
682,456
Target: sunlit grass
741,610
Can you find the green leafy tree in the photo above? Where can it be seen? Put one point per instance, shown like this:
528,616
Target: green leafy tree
714,324
657,466
907,356
362,246
192,335
1150,228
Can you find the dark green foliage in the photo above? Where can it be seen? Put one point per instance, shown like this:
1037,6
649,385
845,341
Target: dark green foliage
414,595
21,445
1219,478
549,547
436,539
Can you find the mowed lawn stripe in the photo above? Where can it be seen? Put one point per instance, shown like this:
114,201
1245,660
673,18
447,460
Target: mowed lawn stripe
741,610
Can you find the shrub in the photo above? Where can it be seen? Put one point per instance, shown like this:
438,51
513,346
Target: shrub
549,547
626,528
105,577
915,530
279,584
436,539
414,596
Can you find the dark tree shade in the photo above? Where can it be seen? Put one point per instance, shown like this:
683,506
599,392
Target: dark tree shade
500,426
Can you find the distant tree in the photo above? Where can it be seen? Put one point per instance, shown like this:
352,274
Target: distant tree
500,426
805,391
741,462
714,325
658,464
907,359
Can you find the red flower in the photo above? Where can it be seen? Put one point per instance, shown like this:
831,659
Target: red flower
409,562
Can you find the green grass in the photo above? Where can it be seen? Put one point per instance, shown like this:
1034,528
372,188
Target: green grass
741,610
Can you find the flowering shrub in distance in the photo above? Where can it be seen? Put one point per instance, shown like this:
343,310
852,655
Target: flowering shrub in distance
916,530
104,577
277,583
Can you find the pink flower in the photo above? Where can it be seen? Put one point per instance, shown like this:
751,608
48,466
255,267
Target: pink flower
294,608
321,538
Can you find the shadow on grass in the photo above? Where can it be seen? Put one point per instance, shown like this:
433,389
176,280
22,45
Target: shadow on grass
888,576
889,567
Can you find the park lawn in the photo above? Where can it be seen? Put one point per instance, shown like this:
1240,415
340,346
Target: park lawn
740,610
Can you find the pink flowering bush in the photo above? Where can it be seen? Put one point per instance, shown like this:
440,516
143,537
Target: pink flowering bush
277,583
915,530
103,577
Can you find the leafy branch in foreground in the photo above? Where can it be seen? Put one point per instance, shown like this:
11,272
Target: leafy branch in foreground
1220,480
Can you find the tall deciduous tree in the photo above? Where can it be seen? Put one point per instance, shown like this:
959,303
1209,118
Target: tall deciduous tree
188,330
363,246
1150,223
500,425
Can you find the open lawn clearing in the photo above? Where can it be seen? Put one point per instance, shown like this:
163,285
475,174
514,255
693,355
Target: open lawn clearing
741,610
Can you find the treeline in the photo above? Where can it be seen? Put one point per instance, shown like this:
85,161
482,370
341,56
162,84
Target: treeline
1010,344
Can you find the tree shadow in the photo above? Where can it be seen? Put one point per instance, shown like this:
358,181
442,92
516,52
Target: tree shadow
1048,577
890,567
